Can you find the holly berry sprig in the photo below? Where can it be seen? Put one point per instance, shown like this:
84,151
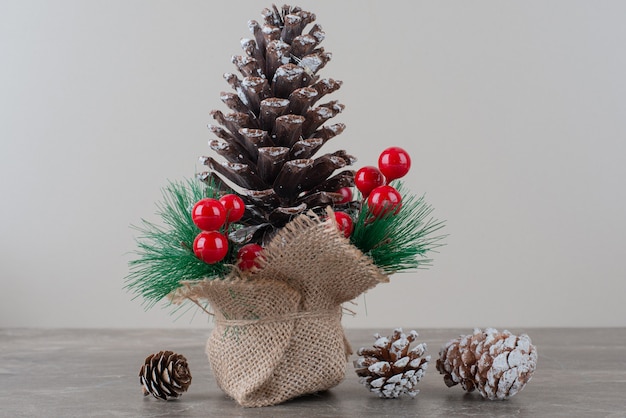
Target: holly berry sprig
214,217
165,257
373,183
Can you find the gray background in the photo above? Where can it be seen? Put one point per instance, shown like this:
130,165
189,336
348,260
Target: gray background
513,113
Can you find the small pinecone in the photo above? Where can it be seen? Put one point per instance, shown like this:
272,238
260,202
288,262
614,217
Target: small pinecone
390,369
498,364
165,375
277,125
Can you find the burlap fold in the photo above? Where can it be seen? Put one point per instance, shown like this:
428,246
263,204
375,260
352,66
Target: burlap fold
278,332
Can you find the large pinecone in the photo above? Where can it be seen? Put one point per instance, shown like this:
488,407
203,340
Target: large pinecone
389,369
275,128
165,375
498,364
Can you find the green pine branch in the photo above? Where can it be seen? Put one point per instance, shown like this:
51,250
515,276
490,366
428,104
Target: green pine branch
402,241
165,253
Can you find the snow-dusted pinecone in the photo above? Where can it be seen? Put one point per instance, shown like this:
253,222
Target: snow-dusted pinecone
165,375
390,369
498,364
270,138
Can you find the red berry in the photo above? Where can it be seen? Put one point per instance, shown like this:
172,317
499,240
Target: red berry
344,223
234,207
346,192
210,246
383,200
367,179
208,214
394,162
248,256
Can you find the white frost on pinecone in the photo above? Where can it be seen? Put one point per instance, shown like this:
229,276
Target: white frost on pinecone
390,369
497,364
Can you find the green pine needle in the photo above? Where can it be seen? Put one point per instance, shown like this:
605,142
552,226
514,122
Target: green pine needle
165,253
398,242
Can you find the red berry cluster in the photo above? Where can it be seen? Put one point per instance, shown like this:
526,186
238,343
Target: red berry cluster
372,182
213,215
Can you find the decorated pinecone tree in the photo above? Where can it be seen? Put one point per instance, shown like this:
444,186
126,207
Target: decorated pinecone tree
276,126
497,364
165,375
391,368
264,241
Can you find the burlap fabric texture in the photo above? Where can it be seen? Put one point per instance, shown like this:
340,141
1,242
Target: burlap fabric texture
278,332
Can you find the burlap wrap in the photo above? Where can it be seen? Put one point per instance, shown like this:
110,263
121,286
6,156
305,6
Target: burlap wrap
278,332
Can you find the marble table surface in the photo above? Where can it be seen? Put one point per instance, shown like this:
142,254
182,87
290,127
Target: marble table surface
93,373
